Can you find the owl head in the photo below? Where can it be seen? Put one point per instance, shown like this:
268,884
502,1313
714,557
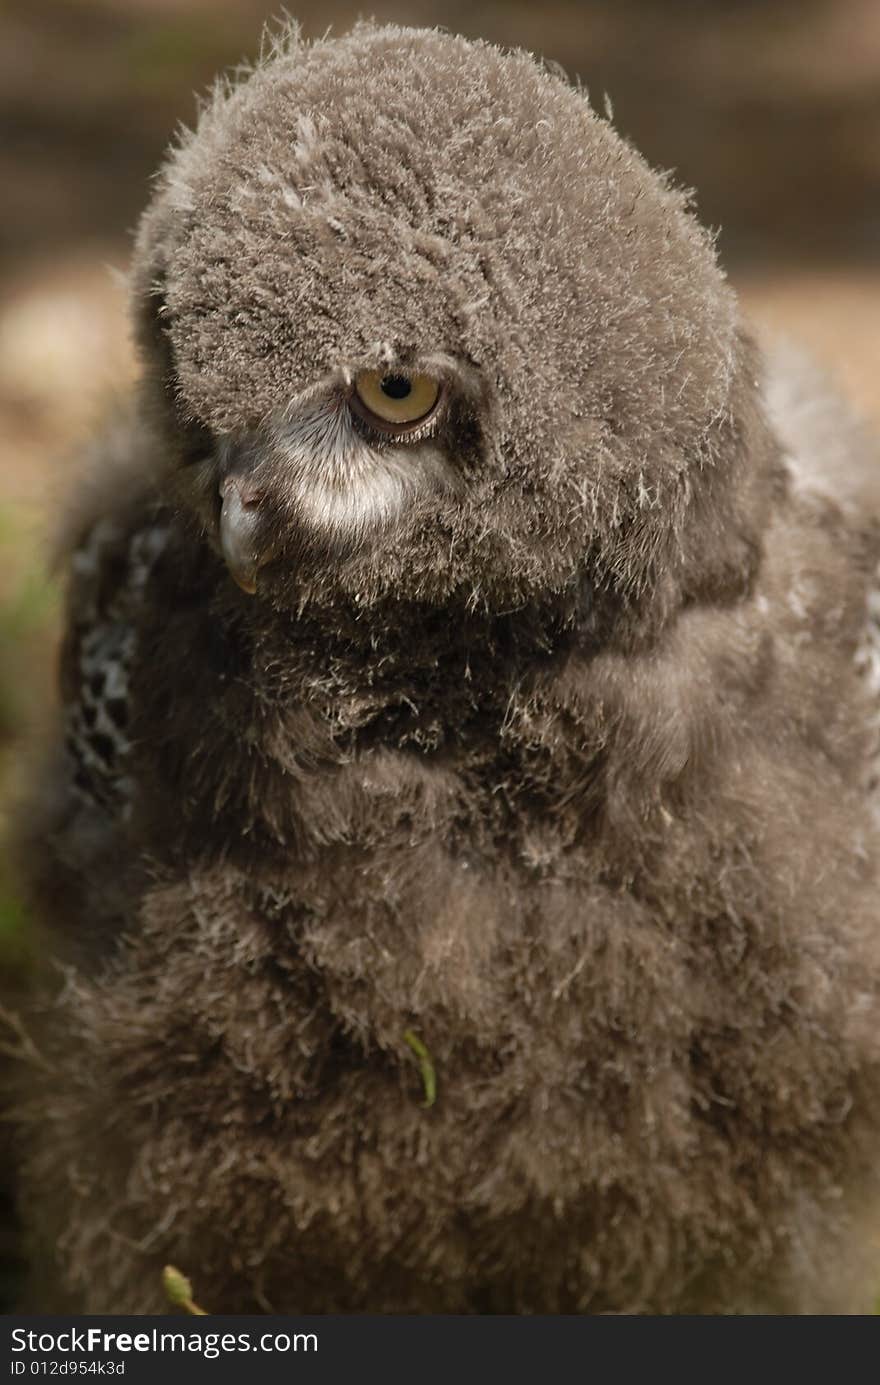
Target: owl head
417,323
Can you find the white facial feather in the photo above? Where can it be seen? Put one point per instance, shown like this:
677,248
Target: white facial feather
340,482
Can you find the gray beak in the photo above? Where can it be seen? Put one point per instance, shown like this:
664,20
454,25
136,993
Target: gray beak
240,523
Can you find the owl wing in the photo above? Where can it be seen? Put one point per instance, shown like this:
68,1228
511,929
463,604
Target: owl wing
81,864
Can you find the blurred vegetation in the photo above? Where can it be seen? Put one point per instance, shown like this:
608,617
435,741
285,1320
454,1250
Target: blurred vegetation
28,618
28,614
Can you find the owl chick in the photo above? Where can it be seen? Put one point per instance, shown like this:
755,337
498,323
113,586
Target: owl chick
460,852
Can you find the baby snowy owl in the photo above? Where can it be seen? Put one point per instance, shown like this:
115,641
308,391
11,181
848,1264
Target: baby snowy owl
459,855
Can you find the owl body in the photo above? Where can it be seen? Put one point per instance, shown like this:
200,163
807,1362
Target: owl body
461,851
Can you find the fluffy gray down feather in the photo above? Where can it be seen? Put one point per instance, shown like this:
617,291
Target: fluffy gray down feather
544,737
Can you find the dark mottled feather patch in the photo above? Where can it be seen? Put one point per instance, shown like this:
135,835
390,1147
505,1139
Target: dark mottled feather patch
105,636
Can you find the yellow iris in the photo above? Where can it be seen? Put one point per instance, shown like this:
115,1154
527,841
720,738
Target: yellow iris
395,401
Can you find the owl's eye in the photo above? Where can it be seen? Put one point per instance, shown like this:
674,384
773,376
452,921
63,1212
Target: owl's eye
394,403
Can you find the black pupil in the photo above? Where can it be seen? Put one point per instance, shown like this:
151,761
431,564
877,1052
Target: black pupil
396,386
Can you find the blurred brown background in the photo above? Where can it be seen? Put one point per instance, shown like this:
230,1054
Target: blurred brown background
769,108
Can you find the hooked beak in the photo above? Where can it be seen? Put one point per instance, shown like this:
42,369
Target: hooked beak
240,538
